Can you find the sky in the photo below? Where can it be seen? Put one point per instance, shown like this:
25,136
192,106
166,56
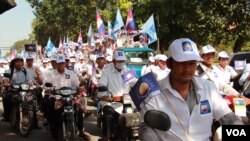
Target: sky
15,24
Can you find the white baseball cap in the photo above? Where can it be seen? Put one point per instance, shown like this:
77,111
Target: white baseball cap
72,60
162,57
119,56
60,59
157,57
151,59
223,54
109,58
184,49
100,56
45,61
29,57
207,49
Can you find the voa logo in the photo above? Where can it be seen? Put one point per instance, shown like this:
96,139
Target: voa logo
236,132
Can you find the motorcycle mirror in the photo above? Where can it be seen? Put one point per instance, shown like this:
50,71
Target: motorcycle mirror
102,89
157,120
48,85
7,75
247,94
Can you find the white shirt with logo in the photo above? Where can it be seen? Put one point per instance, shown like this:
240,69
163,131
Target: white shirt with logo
113,80
67,79
227,73
210,105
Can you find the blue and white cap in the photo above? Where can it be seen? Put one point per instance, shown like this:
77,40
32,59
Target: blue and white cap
207,49
29,57
60,59
223,54
119,56
184,49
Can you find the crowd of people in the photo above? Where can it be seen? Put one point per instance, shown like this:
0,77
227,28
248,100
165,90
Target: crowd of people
188,78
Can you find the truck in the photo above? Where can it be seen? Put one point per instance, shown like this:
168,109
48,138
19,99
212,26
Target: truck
137,57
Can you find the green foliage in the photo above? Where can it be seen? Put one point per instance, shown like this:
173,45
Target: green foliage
204,21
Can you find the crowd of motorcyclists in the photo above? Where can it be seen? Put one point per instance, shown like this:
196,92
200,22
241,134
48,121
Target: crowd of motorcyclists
86,70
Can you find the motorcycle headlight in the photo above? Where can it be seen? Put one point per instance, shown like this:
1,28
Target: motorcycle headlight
16,86
128,110
22,94
24,86
65,92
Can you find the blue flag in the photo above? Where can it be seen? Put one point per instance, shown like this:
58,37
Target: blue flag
118,24
109,28
146,87
51,49
149,28
90,33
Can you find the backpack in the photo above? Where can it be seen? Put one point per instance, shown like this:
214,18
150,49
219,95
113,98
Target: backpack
12,71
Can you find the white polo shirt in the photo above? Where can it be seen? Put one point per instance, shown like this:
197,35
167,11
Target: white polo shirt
227,73
160,72
67,79
113,80
198,124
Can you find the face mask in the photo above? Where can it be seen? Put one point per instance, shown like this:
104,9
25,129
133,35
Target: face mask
119,66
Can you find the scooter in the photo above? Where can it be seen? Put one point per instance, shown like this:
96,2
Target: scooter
126,118
156,120
24,104
64,127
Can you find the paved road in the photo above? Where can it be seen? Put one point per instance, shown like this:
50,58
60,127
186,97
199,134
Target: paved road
8,134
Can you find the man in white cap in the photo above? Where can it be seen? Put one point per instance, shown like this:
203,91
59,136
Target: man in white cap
63,77
207,70
225,71
148,67
33,70
2,68
161,70
44,66
142,42
37,79
191,103
112,79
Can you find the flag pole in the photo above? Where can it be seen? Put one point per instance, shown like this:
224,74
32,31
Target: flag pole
158,40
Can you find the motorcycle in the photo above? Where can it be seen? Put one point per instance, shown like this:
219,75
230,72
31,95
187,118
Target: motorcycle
156,120
126,122
24,103
64,128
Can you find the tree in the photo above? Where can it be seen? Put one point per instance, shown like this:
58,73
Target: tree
206,22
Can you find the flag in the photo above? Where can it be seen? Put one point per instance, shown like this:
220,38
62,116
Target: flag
146,87
118,23
149,28
50,48
79,40
13,53
130,23
109,28
60,43
23,53
100,24
90,33
128,76
66,42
